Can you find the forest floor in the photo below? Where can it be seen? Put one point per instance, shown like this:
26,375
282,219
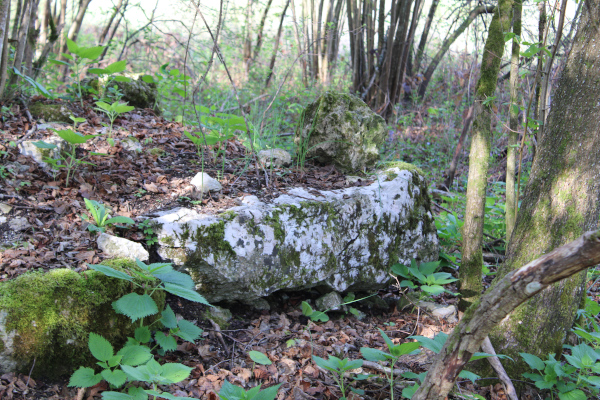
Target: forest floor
134,184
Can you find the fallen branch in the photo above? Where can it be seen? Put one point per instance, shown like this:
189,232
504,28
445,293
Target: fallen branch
512,290
509,388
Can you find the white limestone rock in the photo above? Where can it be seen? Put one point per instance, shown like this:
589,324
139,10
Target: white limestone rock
344,239
27,148
117,247
332,301
275,158
19,224
205,183
131,144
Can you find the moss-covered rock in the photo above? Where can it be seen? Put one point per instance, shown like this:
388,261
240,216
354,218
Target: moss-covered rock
136,92
46,319
344,240
50,112
340,129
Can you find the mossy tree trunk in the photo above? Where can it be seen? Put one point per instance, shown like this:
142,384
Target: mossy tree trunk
513,134
561,200
479,157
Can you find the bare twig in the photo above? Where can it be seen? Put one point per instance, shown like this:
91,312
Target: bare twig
487,347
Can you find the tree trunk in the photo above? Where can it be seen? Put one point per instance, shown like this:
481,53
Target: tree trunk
561,200
513,134
423,41
103,35
448,42
261,27
4,28
512,290
479,158
276,46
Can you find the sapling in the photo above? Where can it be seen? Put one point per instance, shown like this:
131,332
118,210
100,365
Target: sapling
101,217
71,162
135,362
78,63
113,111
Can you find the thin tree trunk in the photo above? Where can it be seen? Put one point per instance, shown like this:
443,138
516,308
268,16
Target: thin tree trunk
561,201
62,19
448,42
4,29
513,134
542,22
261,27
114,30
106,29
18,19
301,54
423,41
76,27
32,38
515,288
457,152
276,46
22,38
472,260
46,14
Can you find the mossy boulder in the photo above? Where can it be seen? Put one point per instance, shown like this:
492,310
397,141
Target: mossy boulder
46,319
341,129
50,112
343,240
136,92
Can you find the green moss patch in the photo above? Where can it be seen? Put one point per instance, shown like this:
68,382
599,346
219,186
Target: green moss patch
47,318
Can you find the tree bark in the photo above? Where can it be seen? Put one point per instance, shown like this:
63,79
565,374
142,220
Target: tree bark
4,30
472,259
261,27
513,134
561,200
456,157
507,293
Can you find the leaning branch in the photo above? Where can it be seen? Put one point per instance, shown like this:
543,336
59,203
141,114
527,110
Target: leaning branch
498,302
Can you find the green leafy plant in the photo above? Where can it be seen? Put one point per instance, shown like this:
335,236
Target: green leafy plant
77,62
338,368
68,159
101,217
36,85
232,392
106,76
395,352
147,229
429,281
76,121
113,111
134,362
567,381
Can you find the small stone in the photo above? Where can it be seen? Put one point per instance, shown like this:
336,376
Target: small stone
205,183
3,220
121,248
221,316
330,302
28,148
131,144
275,157
444,312
5,208
19,224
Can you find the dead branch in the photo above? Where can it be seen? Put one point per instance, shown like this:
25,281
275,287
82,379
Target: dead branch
498,302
